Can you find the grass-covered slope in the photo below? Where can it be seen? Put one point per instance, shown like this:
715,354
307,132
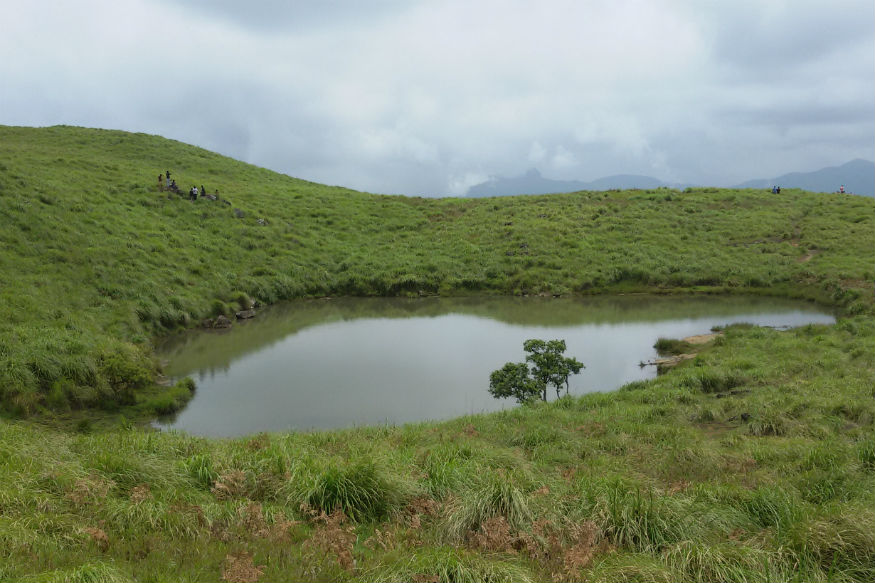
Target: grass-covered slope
754,461
95,261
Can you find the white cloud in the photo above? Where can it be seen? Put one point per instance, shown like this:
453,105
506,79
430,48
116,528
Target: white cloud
423,97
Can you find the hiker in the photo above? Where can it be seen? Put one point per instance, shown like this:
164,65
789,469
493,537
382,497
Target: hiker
777,190
160,183
203,190
167,182
842,189
173,187
192,194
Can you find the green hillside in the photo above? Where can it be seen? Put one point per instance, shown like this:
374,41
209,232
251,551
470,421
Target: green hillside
753,461
96,261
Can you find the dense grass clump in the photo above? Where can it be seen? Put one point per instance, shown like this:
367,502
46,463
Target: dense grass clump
360,491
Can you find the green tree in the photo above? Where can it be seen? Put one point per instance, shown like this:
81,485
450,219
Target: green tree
549,367
513,380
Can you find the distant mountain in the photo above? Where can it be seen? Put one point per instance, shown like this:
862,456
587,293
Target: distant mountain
858,177
533,183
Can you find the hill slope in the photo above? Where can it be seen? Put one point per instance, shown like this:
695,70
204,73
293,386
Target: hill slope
96,261
751,462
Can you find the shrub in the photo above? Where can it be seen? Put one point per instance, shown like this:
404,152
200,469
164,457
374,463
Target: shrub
172,399
126,370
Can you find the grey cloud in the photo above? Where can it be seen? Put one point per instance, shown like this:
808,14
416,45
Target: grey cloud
275,16
765,43
425,97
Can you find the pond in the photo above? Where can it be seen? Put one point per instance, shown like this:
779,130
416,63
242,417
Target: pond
336,363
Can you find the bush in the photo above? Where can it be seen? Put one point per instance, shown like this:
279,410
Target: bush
126,370
173,399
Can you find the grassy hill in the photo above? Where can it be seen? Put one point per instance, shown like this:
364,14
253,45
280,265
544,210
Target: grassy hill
754,461
96,261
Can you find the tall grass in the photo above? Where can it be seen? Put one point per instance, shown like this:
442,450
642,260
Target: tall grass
752,462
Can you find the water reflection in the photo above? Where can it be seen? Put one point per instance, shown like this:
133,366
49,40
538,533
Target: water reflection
346,362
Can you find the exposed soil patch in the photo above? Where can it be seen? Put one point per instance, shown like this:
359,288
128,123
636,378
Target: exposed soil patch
701,338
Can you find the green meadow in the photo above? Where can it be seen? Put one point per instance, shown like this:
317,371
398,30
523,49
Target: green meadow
753,461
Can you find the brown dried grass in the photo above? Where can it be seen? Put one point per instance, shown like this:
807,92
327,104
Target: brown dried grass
251,520
333,534
382,539
98,535
239,567
140,493
230,484
89,490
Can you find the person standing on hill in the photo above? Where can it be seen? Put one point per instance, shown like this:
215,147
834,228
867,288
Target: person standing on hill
160,183
167,183
842,189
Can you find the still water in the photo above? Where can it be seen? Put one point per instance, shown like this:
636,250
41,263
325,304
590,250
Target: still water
349,362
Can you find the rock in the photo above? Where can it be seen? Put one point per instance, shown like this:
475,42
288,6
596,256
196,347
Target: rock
239,214
221,322
261,222
245,314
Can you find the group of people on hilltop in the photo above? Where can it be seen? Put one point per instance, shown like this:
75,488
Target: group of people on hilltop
166,183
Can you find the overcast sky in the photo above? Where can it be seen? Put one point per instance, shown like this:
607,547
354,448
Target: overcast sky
429,97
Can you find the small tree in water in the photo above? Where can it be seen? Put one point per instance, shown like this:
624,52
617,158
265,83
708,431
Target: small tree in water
549,367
